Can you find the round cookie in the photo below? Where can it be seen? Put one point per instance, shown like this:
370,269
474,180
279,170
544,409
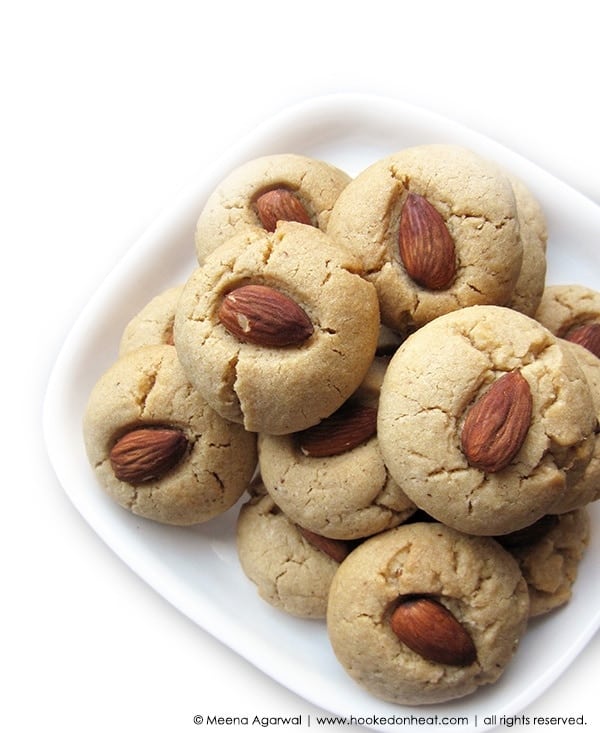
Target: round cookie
231,208
446,369
474,578
583,486
153,324
533,233
270,388
473,204
567,309
331,479
157,448
549,555
289,571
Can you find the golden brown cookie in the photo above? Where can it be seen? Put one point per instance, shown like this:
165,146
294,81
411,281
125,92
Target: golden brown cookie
549,554
289,570
255,195
435,228
331,478
422,613
583,485
276,330
482,414
154,322
156,446
533,232
573,313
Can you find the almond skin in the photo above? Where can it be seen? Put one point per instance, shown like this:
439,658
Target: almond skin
429,629
280,204
425,245
587,335
147,453
338,550
347,428
496,425
261,315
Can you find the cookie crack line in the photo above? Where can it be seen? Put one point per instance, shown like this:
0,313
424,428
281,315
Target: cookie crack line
534,352
268,252
219,480
231,376
149,388
444,470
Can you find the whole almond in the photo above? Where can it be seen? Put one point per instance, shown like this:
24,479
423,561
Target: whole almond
429,629
261,315
338,550
280,204
496,425
147,453
587,335
347,428
426,246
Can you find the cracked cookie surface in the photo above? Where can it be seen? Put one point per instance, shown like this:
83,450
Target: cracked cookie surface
432,380
350,495
347,496
563,307
478,207
473,577
289,572
550,564
231,207
147,387
270,389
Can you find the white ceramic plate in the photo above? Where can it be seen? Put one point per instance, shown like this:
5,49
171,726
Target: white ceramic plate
197,569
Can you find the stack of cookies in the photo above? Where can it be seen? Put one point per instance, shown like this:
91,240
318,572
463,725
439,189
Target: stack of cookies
374,373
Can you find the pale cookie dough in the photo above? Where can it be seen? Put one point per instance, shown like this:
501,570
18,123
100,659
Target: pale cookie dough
432,381
564,307
153,324
533,232
473,577
583,486
289,572
550,563
231,207
346,496
271,389
147,388
478,207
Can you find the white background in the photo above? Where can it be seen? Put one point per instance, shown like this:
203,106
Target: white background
109,110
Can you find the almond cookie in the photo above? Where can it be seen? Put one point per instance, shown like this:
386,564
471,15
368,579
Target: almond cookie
276,330
573,313
533,232
289,570
331,478
153,324
422,613
549,554
256,195
482,414
583,486
435,228
157,448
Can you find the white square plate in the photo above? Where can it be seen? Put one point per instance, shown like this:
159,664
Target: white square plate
197,569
